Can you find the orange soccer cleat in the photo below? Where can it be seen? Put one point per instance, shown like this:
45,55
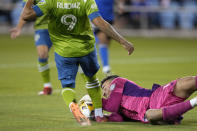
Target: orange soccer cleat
81,119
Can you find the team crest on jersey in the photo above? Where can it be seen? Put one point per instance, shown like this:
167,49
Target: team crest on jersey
112,87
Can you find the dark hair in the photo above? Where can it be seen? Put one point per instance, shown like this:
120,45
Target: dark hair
108,78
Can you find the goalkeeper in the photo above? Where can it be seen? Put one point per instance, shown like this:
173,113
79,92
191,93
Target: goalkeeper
70,31
161,105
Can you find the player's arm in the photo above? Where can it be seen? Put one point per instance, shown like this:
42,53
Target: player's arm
110,31
120,6
16,31
28,12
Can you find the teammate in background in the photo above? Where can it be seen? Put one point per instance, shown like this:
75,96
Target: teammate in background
106,10
43,45
161,105
73,39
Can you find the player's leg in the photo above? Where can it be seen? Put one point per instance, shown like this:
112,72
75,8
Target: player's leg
183,89
170,113
104,42
185,86
67,69
90,66
43,45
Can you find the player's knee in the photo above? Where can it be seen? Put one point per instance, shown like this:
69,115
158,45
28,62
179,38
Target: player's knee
43,54
42,51
187,84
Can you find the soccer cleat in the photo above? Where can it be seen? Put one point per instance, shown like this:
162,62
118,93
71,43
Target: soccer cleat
101,119
46,91
81,119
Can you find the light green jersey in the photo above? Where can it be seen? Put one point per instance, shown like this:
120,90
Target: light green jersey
41,22
69,26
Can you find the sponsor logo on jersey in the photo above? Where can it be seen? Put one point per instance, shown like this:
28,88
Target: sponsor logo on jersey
68,5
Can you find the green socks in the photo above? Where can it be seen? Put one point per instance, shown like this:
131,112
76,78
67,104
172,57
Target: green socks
68,95
94,91
45,72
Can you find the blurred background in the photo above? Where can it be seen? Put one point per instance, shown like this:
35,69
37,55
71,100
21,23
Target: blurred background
174,18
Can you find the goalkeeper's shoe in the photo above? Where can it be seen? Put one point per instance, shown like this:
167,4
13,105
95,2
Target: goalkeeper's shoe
45,91
81,119
101,119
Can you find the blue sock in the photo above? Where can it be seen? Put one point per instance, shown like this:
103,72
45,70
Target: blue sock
103,51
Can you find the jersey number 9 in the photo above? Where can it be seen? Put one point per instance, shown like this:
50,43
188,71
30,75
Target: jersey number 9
69,20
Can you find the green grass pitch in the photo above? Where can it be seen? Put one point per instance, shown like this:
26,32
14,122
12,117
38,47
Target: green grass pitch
155,60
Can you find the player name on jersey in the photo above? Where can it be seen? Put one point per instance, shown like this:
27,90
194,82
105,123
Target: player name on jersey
68,5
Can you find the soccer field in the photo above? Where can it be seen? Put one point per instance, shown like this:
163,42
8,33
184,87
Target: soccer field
155,60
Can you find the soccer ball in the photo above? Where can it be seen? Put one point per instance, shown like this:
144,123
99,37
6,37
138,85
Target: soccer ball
86,106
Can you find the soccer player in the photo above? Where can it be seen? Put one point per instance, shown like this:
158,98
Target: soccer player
43,45
70,31
161,105
106,10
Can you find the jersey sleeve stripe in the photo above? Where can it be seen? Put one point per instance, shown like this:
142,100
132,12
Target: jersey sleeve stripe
94,15
37,10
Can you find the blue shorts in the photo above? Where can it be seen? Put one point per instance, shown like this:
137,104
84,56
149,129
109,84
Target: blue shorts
42,38
67,67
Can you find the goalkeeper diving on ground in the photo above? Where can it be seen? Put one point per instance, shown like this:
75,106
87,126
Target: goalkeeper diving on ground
128,101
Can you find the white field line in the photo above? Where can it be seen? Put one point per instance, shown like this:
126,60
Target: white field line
117,61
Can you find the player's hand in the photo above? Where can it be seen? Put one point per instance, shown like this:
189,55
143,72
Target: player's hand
129,47
15,32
